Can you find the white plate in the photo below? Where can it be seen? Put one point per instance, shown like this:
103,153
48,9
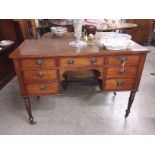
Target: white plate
6,42
116,48
0,48
58,29
115,43
115,35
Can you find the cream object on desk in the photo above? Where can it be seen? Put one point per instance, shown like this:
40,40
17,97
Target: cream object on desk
6,42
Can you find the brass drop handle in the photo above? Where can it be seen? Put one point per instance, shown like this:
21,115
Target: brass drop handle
119,83
121,70
70,61
42,87
123,60
39,62
40,74
93,61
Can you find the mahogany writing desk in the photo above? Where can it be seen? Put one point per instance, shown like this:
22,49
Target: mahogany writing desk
40,65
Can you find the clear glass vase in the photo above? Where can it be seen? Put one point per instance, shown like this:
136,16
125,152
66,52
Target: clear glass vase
77,24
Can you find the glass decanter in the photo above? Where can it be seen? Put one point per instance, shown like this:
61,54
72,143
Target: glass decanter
77,24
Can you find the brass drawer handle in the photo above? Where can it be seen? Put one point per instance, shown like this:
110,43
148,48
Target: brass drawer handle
40,74
93,61
42,87
123,59
39,62
119,83
121,70
70,61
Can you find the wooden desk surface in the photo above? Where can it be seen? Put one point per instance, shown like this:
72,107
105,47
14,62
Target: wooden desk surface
59,46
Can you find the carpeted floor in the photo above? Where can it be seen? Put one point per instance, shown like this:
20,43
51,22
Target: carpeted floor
82,110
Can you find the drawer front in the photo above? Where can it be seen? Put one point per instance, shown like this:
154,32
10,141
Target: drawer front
69,62
120,59
119,84
37,63
121,72
42,88
40,75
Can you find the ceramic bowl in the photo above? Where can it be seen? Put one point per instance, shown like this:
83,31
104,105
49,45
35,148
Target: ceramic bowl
59,34
58,31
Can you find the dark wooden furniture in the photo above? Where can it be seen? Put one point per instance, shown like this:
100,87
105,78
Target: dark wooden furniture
7,71
141,33
7,32
41,64
23,30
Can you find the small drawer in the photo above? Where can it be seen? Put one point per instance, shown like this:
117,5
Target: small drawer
40,75
119,84
37,63
66,62
120,59
42,88
121,71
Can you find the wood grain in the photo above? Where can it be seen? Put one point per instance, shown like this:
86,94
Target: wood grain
40,75
80,61
32,63
59,46
42,88
128,72
112,84
116,60
53,57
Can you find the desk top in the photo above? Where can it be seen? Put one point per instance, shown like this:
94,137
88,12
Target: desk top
59,46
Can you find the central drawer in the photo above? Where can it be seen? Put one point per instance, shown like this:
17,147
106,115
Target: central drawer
69,62
42,88
39,75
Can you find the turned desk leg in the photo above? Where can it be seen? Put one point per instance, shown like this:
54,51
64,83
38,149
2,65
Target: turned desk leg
28,108
131,99
114,93
37,98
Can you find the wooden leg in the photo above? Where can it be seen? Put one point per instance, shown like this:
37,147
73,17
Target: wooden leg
65,82
28,108
64,85
66,79
98,81
131,99
152,74
37,98
114,93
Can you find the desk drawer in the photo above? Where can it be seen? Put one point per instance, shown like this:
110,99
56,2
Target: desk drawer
40,75
37,63
121,72
128,59
42,88
69,62
119,84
